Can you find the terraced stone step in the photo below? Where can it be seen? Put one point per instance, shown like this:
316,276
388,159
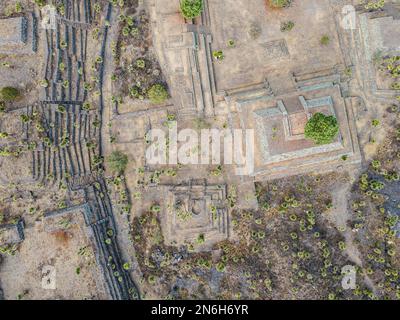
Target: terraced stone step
82,181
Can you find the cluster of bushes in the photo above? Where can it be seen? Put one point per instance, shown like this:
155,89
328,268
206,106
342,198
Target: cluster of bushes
374,5
375,224
191,8
392,66
157,93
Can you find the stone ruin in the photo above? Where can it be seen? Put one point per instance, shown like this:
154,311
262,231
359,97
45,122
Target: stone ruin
279,121
283,103
12,233
100,225
18,35
60,142
195,208
187,57
379,36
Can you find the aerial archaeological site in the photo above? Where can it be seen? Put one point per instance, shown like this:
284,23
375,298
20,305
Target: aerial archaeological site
200,149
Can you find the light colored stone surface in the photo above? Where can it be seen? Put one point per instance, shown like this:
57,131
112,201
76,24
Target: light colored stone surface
11,31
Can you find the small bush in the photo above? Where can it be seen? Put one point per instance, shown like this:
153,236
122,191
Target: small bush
325,40
18,7
157,94
221,266
287,26
140,63
254,31
375,122
118,161
231,43
218,55
279,3
200,239
40,3
9,93
2,106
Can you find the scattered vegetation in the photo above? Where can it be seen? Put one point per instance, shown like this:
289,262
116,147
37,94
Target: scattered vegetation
231,43
138,74
373,4
390,67
285,250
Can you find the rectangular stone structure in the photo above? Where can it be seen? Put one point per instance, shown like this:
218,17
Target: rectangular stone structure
13,31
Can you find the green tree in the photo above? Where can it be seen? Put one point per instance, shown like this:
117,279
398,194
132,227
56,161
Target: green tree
9,93
191,8
321,129
157,93
118,161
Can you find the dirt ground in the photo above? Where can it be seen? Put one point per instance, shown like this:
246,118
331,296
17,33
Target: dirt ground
287,238
312,19
59,248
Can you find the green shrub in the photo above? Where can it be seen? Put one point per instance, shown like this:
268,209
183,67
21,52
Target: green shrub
140,63
191,8
287,26
221,266
18,7
118,161
134,92
152,279
40,3
279,3
155,208
218,54
325,40
375,122
231,43
157,94
9,93
321,128
374,5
